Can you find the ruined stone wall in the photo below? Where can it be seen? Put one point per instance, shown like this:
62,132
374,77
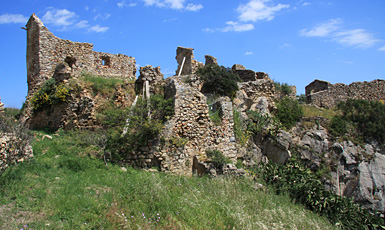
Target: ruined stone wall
189,132
190,65
11,152
80,109
258,88
45,51
331,95
154,77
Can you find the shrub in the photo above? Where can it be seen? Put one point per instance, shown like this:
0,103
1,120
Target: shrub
50,94
301,98
242,135
283,88
218,80
13,113
338,125
367,117
113,117
262,124
142,128
304,187
289,112
217,158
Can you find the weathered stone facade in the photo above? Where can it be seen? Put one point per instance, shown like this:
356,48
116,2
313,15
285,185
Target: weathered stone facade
327,95
45,51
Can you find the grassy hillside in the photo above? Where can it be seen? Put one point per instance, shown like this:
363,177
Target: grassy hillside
66,187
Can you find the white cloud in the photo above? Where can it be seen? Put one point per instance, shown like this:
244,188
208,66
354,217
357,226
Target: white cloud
82,24
13,18
59,17
124,3
285,45
256,10
237,27
209,30
249,53
306,3
322,30
102,16
194,7
67,20
98,29
170,19
173,4
382,48
355,38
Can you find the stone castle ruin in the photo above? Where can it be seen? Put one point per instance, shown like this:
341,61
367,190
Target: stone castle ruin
181,146
51,57
191,123
327,95
45,51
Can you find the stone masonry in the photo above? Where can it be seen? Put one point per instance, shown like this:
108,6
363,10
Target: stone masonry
12,150
45,51
190,64
153,76
327,95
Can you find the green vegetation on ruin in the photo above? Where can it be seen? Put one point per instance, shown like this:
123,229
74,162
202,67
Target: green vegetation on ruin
218,80
282,88
65,187
50,93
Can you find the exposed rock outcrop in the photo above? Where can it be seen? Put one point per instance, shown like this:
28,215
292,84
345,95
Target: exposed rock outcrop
357,171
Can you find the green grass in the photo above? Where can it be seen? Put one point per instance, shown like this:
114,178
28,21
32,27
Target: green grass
101,84
312,111
63,188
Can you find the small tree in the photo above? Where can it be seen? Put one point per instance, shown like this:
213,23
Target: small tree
289,112
218,80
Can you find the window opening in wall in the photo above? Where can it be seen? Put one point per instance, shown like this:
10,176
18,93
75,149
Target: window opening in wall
106,61
70,61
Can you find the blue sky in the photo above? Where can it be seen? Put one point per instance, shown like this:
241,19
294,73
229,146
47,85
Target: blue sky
294,41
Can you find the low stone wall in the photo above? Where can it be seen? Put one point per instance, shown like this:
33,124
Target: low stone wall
329,95
12,150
